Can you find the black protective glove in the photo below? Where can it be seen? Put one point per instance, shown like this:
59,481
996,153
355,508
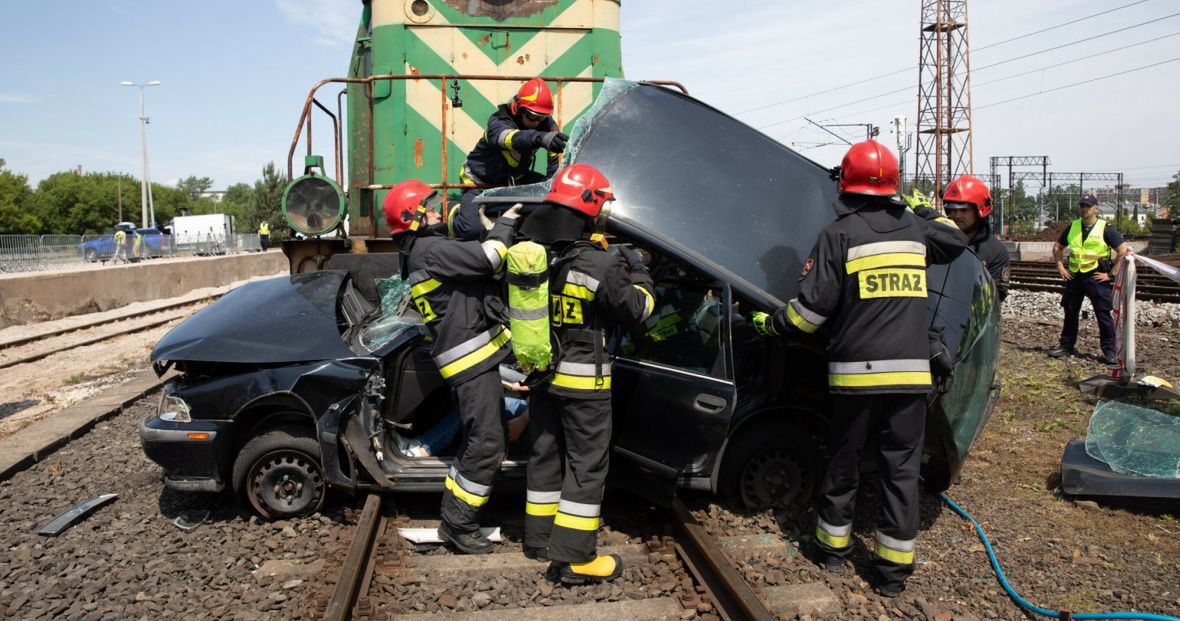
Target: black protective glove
554,142
633,258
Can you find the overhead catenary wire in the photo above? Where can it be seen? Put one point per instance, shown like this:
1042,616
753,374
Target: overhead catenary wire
1083,82
908,69
1021,57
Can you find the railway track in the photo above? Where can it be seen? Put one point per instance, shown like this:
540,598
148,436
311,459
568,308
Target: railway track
31,348
679,575
1043,276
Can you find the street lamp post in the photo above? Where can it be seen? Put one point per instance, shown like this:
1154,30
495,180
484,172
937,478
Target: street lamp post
145,202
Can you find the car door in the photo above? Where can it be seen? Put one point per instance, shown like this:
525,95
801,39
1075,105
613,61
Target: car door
673,386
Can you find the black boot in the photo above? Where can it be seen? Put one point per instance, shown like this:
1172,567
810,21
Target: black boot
467,542
535,554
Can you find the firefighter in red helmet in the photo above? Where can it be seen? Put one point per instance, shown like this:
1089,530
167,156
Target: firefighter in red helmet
452,286
864,285
591,291
505,153
968,201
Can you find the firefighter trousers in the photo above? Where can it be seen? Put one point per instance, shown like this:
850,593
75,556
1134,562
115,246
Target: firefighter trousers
566,475
481,450
898,423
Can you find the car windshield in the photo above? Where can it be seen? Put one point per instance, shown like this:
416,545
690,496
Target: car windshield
395,316
704,184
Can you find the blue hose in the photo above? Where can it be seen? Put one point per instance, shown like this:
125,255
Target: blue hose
1033,607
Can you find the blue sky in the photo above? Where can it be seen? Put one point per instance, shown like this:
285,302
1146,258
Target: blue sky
235,74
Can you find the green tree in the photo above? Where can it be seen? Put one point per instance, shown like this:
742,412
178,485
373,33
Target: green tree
72,204
268,199
1172,200
15,218
238,201
193,187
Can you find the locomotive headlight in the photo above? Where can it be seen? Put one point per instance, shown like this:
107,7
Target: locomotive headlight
313,204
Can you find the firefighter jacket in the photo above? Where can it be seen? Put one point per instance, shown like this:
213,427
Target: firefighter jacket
453,285
590,291
865,281
994,256
505,153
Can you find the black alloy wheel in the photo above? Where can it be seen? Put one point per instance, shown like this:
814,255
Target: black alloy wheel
91,255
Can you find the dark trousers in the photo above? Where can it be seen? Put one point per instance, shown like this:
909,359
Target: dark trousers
898,421
264,241
481,450
570,455
466,224
1071,301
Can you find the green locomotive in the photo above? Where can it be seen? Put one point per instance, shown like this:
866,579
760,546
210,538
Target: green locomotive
423,79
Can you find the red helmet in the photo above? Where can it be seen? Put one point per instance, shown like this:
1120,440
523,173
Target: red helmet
869,168
968,189
403,205
581,187
534,96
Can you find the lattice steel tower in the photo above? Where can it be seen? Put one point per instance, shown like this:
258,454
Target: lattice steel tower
944,94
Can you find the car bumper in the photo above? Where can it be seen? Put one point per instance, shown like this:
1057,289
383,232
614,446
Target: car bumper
191,454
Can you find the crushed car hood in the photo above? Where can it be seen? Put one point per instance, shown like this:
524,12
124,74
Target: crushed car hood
276,321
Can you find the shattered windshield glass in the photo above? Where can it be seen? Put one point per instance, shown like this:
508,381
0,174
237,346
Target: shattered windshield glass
396,316
1134,440
704,184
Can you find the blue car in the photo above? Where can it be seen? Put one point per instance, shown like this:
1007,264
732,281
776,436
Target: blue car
103,248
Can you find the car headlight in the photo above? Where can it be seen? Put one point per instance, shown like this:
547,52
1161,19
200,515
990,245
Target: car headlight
173,409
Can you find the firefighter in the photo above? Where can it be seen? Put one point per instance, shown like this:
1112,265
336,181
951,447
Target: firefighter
967,201
452,285
589,292
505,153
865,284
1090,241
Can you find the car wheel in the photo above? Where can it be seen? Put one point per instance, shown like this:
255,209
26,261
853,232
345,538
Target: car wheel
91,255
771,465
279,474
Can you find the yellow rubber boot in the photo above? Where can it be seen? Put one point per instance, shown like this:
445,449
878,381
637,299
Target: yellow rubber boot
601,569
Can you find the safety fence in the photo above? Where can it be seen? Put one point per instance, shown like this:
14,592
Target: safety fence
31,253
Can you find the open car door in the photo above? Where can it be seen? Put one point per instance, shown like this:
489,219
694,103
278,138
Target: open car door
673,388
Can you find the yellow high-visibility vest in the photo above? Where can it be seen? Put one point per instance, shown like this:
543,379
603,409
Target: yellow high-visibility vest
1084,254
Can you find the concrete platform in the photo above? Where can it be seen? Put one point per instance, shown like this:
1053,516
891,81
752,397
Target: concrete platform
41,296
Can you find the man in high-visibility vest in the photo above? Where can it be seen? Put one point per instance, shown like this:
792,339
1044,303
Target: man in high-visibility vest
1086,273
264,235
120,246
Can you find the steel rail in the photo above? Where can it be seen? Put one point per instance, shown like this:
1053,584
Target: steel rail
357,565
97,339
94,324
731,595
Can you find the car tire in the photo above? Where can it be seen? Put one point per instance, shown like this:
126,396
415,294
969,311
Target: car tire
91,255
771,464
279,475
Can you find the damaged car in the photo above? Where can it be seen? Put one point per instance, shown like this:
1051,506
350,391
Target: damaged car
291,386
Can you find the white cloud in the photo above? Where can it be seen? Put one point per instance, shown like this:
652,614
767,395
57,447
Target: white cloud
334,21
18,98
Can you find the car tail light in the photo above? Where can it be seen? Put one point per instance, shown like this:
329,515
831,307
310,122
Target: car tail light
173,409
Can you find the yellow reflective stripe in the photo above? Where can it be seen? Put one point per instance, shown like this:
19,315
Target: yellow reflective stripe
464,495
798,321
575,522
508,139
542,509
424,287
579,382
893,556
451,214
892,283
649,304
888,259
865,380
832,541
578,291
477,356
947,221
